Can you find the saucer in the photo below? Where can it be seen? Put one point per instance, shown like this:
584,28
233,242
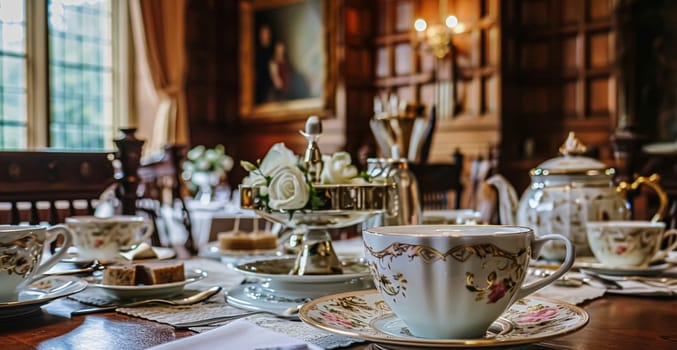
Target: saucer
590,263
39,293
364,315
146,291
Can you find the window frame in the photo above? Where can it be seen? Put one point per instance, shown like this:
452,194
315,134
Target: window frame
38,111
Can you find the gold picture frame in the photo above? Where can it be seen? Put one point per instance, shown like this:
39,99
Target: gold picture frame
287,59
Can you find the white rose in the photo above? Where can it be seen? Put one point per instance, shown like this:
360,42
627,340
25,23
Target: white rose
288,189
278,156
338,169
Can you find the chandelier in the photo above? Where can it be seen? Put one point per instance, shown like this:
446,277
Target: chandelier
436,37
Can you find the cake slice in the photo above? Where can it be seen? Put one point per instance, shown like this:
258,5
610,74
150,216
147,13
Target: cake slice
239,240
144,274
120,275
158,273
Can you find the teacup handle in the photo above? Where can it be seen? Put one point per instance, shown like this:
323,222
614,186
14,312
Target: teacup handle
566,265
52,233
653,183
661,254
148,225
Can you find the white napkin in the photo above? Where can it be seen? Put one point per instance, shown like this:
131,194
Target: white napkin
146,251
239,334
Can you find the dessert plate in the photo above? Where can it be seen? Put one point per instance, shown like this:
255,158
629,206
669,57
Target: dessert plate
275,290
41,292
591,264
364,315
145,291
277,270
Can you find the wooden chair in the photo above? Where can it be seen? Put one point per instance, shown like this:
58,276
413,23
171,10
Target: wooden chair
438,183
48,186
161,194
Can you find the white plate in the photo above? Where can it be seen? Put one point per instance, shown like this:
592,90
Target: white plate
163,253
143,291
39,293
277,270
364,315
590,263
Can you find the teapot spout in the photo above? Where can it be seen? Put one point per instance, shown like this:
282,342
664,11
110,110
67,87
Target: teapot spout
507,199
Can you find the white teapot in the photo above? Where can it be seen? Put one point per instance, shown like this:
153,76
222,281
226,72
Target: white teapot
565,193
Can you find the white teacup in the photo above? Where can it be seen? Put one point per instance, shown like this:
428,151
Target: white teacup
21,250
453,281
628,242
104,238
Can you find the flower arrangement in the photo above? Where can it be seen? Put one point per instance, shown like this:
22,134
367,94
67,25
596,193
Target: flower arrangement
206,166
283,182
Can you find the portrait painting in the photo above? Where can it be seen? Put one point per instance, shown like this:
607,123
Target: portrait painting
285,58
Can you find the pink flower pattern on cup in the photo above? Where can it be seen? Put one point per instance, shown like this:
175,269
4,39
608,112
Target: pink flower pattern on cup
497,292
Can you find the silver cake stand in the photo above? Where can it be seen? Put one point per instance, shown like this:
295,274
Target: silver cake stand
283,282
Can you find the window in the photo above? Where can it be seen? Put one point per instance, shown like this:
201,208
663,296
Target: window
77,47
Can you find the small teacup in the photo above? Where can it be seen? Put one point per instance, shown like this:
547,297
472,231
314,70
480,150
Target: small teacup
628,242
453,281
104,238
21,250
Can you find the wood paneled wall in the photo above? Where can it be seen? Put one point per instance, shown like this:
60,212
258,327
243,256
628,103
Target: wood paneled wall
524,72
559,76
464,85
213,85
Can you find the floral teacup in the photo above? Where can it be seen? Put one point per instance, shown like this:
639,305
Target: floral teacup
21,250
627,242
453,281
104,238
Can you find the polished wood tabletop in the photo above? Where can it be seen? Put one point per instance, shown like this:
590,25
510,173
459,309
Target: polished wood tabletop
616,322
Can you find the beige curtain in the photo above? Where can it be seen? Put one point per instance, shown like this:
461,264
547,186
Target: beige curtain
159,35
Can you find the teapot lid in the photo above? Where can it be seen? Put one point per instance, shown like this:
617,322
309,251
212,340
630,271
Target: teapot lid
571,161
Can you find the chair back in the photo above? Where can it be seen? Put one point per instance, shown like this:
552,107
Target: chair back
439,184
161,195
48,186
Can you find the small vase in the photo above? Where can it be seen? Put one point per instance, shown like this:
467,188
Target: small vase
206,182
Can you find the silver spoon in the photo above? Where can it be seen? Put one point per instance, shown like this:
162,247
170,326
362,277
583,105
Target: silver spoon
290,313
193,299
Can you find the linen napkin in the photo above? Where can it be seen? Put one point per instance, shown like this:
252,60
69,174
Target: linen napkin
146,251
239,334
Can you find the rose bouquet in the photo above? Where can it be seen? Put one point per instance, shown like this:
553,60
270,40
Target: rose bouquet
282,182
206,166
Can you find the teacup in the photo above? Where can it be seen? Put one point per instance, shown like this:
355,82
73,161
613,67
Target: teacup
453,281
628,242
21,250
104,238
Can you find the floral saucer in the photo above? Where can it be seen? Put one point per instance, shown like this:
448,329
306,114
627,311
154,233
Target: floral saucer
591,264
38,293
364,315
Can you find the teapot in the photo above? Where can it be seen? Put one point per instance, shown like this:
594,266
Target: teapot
565,193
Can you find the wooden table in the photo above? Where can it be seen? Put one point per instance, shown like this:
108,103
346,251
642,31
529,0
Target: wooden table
616,322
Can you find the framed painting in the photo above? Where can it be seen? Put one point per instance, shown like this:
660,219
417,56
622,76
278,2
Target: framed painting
287,63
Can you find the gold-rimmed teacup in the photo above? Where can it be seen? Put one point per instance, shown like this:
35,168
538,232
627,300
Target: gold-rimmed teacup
454,281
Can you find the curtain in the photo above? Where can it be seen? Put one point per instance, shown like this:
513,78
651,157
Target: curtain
159,33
